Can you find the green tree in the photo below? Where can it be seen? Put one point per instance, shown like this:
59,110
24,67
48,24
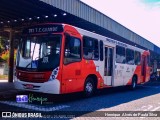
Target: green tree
3,50
2,44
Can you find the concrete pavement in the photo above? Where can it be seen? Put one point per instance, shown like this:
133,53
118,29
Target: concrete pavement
7,89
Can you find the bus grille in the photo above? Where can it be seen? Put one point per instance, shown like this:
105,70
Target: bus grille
38,77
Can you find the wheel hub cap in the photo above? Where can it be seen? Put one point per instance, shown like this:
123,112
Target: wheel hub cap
89,87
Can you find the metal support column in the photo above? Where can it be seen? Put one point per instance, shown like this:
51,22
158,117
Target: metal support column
11,55
155,66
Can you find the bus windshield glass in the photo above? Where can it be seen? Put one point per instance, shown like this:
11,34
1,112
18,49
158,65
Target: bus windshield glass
39,52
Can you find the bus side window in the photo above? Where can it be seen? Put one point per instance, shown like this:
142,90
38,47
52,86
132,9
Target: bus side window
129,56
120,54
137,58
72,51
101,50
90,48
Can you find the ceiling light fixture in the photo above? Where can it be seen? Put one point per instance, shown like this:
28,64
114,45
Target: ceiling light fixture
46,16
55,15
64,14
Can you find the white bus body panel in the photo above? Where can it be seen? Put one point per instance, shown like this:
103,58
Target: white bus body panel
122,73
52,87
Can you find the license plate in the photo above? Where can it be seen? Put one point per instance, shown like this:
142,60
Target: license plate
29,86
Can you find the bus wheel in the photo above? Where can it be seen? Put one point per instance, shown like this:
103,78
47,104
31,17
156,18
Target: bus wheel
89,87
134,83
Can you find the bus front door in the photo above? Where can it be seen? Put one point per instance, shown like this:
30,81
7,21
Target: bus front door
108,66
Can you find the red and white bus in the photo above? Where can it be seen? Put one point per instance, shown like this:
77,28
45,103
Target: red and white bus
60,58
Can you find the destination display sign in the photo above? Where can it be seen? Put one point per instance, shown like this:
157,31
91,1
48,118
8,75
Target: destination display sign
48,28
116,42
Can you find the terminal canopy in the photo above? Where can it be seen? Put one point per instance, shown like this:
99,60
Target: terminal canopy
17,14
20,13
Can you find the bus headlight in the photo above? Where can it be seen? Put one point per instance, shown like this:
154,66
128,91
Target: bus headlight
53,77
54,74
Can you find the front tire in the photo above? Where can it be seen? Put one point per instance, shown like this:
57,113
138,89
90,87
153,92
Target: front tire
89,87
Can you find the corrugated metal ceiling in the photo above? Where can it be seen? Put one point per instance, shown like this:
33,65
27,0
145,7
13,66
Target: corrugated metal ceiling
19,13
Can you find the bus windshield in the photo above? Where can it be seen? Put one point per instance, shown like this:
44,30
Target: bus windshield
39,52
